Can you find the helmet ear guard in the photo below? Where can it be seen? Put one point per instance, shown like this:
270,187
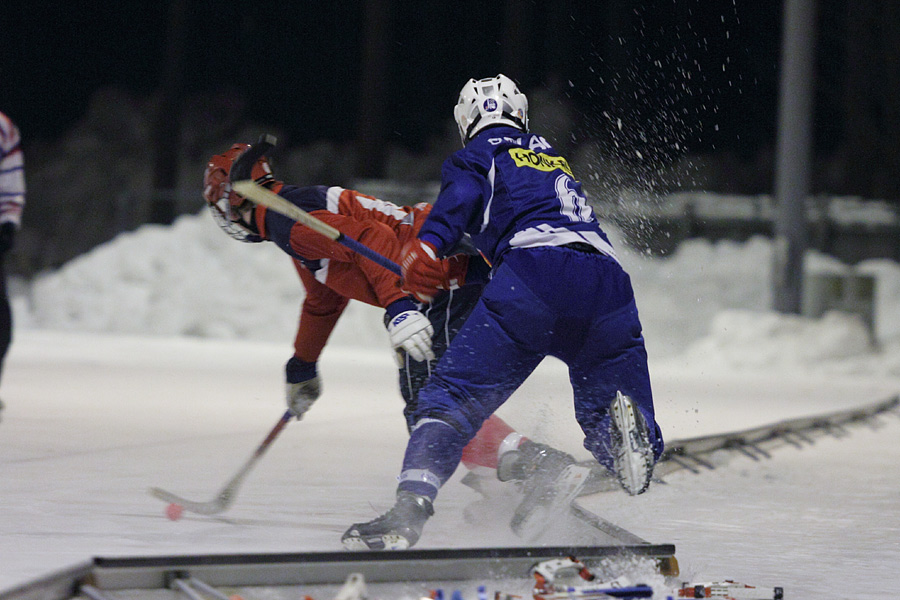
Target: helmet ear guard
491,101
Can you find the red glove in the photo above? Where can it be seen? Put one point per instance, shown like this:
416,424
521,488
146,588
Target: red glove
423,272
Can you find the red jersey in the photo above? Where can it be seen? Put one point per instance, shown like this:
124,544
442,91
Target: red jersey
331,273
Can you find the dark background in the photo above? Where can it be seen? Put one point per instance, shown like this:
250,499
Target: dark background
299,64
689,85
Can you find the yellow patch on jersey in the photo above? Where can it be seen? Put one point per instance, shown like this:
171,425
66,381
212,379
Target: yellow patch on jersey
540,161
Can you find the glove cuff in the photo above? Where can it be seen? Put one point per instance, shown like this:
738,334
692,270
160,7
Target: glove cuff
398,306
298,371
433,241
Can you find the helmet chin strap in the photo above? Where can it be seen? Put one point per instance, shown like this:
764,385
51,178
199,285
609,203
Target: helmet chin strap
246,213
471,127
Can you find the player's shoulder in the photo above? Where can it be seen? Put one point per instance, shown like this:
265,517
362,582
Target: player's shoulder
309,198
479,152
499,140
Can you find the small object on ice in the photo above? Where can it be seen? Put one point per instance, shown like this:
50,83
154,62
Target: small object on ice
729,590
174,511
354,588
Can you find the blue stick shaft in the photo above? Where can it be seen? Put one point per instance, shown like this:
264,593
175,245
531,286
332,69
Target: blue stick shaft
369,253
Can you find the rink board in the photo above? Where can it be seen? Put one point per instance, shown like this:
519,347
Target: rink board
321,574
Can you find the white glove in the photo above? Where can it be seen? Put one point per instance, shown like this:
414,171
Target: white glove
300,396
412,331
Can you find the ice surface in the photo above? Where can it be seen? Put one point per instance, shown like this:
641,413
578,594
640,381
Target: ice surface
156,360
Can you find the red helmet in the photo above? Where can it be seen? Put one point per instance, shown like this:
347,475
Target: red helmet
229,208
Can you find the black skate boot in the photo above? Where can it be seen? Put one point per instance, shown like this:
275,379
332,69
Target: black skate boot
632,454
397,529
550,478
531,459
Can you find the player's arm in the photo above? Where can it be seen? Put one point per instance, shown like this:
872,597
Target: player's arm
377,236
457,210
322,307
459,207
407,327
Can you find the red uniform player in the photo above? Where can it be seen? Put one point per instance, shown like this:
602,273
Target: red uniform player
332,275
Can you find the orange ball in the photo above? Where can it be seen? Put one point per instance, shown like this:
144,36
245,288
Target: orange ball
174,511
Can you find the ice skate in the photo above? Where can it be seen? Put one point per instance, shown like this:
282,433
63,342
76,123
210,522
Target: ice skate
551,480
631,450
548,501
531,459
397,529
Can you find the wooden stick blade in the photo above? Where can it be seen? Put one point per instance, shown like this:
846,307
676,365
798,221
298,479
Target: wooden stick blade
243,165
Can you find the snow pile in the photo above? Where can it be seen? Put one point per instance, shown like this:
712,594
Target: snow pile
178,280
679,296
709,299
188,279
767,340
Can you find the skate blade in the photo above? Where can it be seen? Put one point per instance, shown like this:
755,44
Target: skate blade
530,524
632,462
377,542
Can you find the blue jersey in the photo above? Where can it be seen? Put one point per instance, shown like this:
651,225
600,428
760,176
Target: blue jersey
509,189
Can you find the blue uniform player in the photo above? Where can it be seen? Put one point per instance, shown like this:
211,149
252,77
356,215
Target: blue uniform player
556,289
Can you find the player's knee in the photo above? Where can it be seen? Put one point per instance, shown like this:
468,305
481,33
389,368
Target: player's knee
444,402
461,427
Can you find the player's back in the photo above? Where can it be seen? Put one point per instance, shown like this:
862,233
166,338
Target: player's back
531,197
357,205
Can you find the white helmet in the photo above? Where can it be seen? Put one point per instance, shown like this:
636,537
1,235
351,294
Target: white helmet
491,101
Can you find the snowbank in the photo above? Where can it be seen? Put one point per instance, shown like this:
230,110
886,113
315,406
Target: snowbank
708,301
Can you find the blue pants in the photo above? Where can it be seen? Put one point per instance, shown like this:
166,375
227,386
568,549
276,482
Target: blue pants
543,301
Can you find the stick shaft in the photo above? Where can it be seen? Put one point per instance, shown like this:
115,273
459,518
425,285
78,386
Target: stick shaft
260,195
227,494
260,450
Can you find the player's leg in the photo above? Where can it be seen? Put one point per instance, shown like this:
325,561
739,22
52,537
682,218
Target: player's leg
614,400
598,335
494,352
495,439
447,314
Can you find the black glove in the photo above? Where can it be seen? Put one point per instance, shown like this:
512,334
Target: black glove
7,236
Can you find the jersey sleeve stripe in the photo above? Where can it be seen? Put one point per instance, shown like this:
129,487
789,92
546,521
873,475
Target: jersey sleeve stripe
333,199
487,205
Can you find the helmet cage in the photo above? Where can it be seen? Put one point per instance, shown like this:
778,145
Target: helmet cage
228,216
227,206
491,101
